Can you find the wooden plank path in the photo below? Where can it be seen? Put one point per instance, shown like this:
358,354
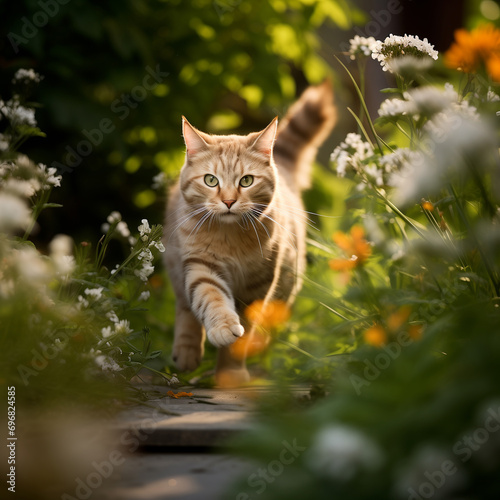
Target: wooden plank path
176,451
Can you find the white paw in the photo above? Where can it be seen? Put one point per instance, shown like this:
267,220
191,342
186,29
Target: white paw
225,334
186,357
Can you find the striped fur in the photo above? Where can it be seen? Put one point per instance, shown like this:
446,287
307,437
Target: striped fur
229,244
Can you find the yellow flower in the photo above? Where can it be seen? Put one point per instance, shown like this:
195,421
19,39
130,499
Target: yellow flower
473,48
268,315
354,245
375,336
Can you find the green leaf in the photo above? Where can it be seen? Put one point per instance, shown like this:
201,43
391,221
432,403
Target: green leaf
390,90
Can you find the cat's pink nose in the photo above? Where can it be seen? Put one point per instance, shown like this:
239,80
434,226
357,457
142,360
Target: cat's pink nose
229,203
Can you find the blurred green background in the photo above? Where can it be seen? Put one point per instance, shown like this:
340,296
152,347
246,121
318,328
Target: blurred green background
227,65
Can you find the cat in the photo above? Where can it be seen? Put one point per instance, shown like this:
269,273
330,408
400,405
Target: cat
235,226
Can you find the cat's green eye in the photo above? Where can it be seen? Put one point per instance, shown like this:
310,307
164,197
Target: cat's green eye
211,180
246,181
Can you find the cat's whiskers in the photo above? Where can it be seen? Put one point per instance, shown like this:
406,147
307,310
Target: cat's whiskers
291,236
293,211
257,234
200,223
185,219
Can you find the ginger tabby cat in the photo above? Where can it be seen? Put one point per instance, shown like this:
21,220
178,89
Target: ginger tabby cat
235,227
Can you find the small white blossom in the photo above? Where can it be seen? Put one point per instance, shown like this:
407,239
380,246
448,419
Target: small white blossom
14,213
107,364
106,332
114,217
145,255
360,45
158,245
144,229
144,295
82,302
341,452
111,315
21,187
159,181
17,114
396,107
94,293
26,75
48,176
122,229
173,379
122,327
145,271
492,96
397,46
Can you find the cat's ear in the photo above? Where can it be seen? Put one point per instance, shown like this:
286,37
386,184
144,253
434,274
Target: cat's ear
265,140
192,138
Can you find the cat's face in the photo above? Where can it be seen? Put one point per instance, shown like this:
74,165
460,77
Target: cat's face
230,177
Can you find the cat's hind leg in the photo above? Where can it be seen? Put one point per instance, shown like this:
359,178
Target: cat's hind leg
189,339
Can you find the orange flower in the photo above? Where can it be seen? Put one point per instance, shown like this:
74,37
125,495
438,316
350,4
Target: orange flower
178,395
427,205
353,245
397,319
249,345
473,48
268,315
415,331
375,336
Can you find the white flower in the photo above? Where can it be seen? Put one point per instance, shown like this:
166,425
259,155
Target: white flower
353,154
145,255
145,271
114,217
61,244
144,229
17,114
491,96
173,379
144,295
14,213
397,46
107,364
409,66
122,229
21,187
396,107
82,302
111,315
26,75
122,327
107,332
341,452
94,293
158,245
426,460
361,46
48,176
159,181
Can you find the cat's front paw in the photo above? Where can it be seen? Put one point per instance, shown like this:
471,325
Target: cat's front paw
187,357
224,334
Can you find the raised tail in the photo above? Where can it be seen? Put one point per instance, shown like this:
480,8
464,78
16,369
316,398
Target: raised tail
306,125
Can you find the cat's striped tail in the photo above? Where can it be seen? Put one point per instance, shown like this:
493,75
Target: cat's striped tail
306,125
